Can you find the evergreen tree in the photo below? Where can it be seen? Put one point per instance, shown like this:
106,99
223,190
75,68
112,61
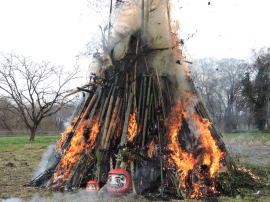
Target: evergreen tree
261,88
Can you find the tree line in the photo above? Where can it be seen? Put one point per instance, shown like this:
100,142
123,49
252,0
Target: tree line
33,95
236,92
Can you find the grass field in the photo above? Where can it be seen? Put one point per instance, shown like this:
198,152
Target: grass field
19,158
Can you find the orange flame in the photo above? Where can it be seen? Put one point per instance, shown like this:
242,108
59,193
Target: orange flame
151,150
212,155
91,142
132,127
187,165
77,146
64,137
252,175
65,134
183,161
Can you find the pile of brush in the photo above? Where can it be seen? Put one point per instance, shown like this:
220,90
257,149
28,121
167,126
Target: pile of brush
142,115
122,125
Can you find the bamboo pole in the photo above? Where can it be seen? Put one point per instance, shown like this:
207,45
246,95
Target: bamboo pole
115,125
78,89
101,154
125,127
79,170
89,107
107,121
101,107
79,106
176,183
82,111
159,142
84,90
140,99
151,106
160,161
123,141
111,163
79,121
144,98
134,82
112,122
95,105
106,102
146,111
159,88
132,177
168,91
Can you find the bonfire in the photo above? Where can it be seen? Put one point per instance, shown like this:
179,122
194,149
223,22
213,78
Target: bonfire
143,127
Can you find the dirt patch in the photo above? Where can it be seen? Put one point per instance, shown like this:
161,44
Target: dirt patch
16,169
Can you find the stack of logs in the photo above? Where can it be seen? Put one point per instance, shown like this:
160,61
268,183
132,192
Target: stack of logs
120,125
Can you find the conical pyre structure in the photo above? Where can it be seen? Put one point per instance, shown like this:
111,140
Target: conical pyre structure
143,114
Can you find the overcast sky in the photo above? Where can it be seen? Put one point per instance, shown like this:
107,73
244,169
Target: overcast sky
57,30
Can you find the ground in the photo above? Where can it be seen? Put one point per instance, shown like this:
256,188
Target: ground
19,158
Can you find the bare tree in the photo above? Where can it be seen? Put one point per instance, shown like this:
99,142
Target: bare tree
35,91
232,71
219,82
208,82
5,116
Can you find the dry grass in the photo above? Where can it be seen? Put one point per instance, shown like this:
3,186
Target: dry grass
249,148
19,158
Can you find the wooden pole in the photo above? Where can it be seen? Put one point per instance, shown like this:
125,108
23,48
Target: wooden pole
132,177
125,127
134,82
82,111
106,102
95,105
140,99
107,121
160,161
112,122
89,107
146,112
144,97
115,125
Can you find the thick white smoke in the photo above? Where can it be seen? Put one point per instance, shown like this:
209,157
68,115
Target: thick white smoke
160,36
13,200
44,163
80,196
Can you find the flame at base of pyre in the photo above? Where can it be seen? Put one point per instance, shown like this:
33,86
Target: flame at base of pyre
196,166
83,141
183,140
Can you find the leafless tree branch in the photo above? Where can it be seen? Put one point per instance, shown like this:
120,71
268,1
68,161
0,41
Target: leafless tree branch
36,91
